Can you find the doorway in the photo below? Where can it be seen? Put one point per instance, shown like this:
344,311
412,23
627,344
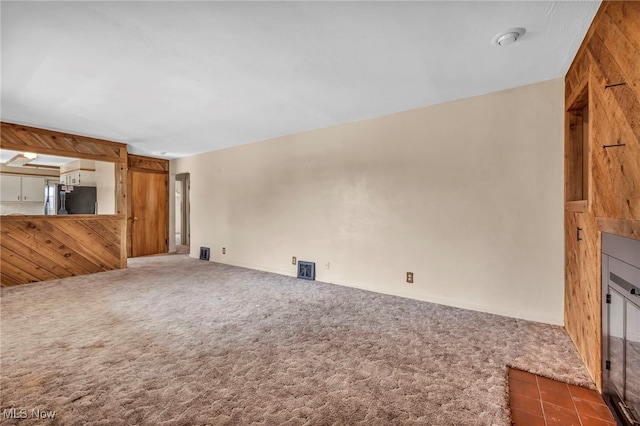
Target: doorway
182,225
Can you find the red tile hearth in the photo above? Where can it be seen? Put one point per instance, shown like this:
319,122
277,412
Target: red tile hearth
536,400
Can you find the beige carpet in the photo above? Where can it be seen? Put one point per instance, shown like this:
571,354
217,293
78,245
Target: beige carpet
182,249
179,341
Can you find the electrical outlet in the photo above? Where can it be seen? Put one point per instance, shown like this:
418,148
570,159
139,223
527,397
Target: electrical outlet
294,260
327,265
410,277
224,250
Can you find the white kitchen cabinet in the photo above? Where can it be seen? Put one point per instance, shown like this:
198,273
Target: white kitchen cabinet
79,178
10,188
22,188
33,189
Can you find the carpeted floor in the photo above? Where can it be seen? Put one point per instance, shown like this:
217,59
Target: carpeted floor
173,340
182,249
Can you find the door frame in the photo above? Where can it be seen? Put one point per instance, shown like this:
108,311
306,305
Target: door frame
183,179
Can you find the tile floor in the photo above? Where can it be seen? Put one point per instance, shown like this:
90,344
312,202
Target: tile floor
536,400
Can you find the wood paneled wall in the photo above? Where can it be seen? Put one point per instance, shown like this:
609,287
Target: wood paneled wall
16,137
605,74
38,248
148,164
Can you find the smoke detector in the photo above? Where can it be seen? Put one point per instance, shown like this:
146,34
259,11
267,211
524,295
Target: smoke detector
508,37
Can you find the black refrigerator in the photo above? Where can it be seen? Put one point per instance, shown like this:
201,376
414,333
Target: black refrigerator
82,200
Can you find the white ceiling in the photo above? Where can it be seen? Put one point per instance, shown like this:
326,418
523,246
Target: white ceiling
186,77
41,160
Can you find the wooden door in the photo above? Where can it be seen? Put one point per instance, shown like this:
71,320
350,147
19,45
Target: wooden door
583,291
148,213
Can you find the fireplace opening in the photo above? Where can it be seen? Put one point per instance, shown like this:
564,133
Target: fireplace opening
621,326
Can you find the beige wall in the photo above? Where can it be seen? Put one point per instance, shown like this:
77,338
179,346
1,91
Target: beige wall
467,195
21,207
105,187
77,165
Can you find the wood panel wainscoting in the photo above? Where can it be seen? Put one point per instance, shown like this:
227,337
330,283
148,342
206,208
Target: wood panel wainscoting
602,165
39,248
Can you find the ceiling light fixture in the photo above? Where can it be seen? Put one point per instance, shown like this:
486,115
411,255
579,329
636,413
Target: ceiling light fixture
21,159
508,37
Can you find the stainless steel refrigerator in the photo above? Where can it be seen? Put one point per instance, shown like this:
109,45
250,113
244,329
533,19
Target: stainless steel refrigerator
81,200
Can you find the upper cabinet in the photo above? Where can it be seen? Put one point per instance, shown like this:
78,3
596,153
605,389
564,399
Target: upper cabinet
33,189
10,188
22,188
79,178
78,173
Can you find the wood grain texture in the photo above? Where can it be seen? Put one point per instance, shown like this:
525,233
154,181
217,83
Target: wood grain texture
622,227
148,164
39,248
583,313
574,157
149,218
615,51
616,169
122,188
607,61
148,205
576,206
578,74
42,141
